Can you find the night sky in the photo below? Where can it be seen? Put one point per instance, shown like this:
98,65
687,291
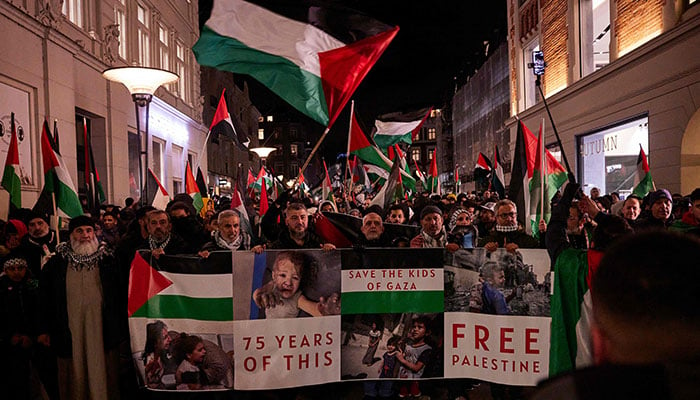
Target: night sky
440,43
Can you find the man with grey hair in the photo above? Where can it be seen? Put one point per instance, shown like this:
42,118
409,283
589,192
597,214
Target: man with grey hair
229,236
83,314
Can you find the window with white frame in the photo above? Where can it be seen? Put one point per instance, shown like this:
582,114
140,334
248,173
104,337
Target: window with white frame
144,34
120,19
594,35
157,159
430,154
163,43
431,133
415,154
73,10
176,167
181,66
261,134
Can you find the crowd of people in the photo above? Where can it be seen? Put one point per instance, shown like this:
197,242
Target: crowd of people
63,293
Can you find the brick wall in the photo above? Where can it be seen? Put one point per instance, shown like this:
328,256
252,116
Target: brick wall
637,21
554,44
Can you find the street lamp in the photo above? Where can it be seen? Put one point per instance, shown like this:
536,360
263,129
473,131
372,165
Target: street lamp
141,82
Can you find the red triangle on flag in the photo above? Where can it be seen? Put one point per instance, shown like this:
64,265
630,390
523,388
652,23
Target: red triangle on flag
343,69
144,283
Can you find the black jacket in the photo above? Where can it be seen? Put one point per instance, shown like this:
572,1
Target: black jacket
54,311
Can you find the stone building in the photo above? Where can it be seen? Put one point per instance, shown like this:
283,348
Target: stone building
54,53
619,74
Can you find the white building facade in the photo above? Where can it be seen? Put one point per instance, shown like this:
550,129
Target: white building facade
54,53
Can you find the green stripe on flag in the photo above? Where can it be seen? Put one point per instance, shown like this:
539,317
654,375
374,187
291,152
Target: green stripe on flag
302,89
205,309
392,302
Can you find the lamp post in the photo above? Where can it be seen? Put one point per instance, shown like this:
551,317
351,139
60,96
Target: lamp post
141,82
263,153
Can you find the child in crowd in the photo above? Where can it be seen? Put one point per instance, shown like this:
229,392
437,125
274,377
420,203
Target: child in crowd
389,367
189,352
282,297
19,302
415,356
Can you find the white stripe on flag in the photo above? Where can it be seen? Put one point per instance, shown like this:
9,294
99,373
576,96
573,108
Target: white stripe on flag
271,33
199,285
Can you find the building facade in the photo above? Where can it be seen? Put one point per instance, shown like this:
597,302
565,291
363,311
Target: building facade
480,109
620,75
425,143
55,53
226,160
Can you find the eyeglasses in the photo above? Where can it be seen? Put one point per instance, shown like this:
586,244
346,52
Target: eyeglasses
508,215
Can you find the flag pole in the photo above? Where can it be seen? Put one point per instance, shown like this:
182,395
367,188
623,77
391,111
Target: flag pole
348,191
571,175
313,151
54,218
543,165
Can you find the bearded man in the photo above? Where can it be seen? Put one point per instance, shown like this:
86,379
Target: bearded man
161,239
229,236
83,313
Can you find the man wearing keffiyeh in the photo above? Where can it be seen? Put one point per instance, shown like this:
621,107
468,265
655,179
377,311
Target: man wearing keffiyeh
507,233
83,313
229,236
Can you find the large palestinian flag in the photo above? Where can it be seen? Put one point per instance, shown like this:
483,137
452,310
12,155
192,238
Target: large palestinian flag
548,176
314,58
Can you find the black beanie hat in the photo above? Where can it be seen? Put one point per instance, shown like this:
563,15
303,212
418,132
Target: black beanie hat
81,220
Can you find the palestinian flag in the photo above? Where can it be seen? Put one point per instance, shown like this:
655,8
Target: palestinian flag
315,64
399,127
238,205
346,229
359,173
327,187
571,306
157,196
10,178
192,189
643,183
482,169
412,280
371,155
222,124
548,176
433,182
95,191
57,182
264,204
202,185
421,176
180,287
391,190
521,172
497,179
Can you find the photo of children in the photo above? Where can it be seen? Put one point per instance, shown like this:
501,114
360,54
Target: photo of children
408,343
500,282
298,285
181,361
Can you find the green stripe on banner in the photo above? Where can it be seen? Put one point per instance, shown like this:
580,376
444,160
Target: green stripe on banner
392,302
204,309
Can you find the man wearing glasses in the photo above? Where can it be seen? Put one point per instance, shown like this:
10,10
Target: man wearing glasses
507,233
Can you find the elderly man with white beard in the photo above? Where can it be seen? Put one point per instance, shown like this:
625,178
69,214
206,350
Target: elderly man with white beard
83,313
